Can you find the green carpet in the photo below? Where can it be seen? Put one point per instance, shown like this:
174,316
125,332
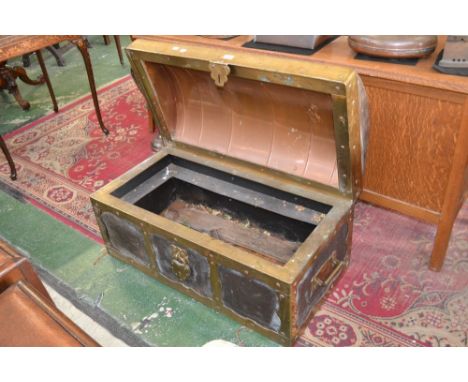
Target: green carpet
133,306
98,283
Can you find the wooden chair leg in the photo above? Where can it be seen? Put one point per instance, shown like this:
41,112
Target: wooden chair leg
119,49
106,40
58,57
47,79
9,159
81,45
453,196
8,82
26,60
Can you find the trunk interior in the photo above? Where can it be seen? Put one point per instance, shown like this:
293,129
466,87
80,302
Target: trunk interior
259,219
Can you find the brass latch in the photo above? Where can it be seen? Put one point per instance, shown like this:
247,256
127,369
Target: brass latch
180,263
219,73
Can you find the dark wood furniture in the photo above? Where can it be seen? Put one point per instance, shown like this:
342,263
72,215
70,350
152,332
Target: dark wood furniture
14,46
417,151
8,76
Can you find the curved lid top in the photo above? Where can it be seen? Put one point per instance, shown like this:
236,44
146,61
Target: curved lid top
273,118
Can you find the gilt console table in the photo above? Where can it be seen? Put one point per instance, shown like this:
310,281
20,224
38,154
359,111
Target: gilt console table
418,139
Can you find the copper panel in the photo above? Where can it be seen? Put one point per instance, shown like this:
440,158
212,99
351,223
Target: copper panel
280,127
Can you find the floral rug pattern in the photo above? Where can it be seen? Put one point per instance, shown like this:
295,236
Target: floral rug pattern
387,296
388,285
62,158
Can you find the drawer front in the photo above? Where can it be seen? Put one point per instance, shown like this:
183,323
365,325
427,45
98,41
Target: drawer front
250,298
126,238
183,265
324,271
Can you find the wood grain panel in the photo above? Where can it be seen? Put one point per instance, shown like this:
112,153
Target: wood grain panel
411,146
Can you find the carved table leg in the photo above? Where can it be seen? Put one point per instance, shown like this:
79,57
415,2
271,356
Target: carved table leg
81,45
5,150
119,48
8,81
25,105
20,72
47,79
453,196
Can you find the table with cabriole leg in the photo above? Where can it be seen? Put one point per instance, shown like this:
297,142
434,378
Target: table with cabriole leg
17,46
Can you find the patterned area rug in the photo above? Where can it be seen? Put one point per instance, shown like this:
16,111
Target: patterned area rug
62,158
387,297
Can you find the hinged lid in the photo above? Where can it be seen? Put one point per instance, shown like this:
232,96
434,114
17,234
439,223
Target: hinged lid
304,119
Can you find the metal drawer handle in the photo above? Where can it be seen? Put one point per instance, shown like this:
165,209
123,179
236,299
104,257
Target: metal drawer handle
319,281
180,263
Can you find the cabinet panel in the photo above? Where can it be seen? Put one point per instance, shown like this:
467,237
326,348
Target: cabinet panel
411,145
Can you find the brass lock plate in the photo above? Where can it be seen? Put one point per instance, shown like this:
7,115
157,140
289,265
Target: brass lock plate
219,73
